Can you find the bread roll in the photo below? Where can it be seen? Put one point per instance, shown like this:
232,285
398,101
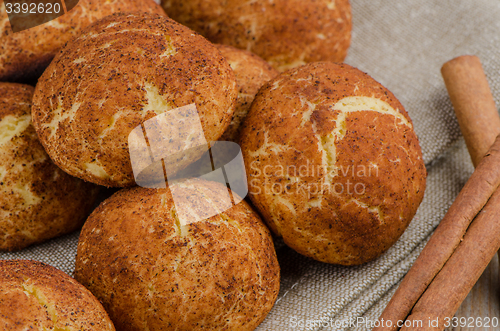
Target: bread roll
36,296
122,71
251,73
38,201
25,54
153,270
333,163
286,33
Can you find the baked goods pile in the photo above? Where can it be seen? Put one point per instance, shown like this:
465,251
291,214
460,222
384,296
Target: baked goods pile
189,253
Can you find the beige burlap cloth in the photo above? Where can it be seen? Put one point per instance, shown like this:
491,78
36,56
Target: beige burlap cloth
402,44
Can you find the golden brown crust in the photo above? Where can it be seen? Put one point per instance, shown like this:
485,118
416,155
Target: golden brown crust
36,296
217,274
25,54
251,73
312,135
38,201
286,33
15,99
134,67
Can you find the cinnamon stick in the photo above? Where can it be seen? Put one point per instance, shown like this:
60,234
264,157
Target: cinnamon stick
450,287
473,103
479,121
446,238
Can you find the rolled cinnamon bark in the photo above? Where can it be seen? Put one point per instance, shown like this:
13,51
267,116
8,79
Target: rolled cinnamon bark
448,235
480,124
474,106
452,284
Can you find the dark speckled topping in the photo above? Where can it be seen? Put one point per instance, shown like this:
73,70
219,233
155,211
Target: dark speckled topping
36,296
333,162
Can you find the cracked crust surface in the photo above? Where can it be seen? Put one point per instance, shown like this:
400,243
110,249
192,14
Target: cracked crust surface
286,33
38,201
25,54
333,163
36,296
154,272
122,71
251,73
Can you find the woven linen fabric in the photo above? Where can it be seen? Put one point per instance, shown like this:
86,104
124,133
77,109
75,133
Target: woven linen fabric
403,45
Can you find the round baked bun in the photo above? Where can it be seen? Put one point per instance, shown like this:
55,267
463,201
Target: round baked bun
122,71
286,33
25,54
38,201
36,296
154,271
251,73
333,163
